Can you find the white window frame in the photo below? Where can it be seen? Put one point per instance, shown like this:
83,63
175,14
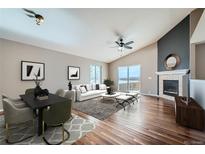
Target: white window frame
128,81
95,82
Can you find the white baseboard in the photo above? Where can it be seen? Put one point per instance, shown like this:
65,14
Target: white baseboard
154,95
1,110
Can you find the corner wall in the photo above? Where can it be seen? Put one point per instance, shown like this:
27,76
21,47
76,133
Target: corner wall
56,63
1,74
147,58
200,61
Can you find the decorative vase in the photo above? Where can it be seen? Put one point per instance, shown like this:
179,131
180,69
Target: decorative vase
37,91
70,86
109,91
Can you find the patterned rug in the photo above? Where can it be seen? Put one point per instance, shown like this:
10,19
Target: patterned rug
77,127
97,107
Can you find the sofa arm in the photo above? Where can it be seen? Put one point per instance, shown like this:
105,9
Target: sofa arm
78,95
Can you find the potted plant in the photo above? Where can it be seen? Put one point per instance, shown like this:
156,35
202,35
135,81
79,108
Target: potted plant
108,83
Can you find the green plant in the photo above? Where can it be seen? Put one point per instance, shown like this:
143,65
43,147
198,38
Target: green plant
37,82
108,82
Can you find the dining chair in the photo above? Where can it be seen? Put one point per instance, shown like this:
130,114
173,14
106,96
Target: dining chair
17,102
14,115
56,115
60,92
29,91
69,96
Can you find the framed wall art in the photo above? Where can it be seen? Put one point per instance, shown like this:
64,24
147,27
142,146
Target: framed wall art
73,73
30,69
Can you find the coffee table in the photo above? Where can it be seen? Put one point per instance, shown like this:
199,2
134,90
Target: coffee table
110,96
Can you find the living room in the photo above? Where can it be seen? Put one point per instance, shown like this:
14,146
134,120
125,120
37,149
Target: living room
113,73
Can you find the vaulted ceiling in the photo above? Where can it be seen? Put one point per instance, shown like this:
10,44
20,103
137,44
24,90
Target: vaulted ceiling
90,33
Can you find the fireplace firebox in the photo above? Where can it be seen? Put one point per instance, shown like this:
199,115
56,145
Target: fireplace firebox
171,87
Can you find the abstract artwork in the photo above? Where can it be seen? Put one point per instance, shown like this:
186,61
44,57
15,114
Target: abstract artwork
30,69
73,73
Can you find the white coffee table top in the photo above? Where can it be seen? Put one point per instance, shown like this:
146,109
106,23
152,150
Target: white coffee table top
111,96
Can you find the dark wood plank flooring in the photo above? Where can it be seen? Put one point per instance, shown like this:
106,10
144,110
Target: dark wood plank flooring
151,121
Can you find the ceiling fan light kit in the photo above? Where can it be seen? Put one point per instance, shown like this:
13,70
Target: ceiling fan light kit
122,45
39,19
32,14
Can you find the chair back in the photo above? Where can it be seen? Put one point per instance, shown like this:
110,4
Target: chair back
29,91
60,92
58,113
69,95
9,108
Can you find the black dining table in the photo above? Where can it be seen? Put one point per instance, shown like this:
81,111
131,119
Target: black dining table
39,105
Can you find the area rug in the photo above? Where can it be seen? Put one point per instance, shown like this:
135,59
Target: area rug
77,127
97,107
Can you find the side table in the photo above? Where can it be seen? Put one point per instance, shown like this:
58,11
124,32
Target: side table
191,115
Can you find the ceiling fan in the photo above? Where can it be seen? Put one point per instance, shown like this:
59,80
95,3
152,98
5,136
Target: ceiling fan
123,45
32,14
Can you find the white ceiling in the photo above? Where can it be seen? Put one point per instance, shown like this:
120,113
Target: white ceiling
90,33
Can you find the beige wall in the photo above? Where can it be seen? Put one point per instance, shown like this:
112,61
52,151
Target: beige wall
147,58
194,19
200,61
55,66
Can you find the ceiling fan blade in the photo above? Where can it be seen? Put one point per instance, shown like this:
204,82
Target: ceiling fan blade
31,16
129,42
117,43
127,47
29,11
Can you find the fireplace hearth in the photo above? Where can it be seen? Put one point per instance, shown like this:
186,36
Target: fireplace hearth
171,87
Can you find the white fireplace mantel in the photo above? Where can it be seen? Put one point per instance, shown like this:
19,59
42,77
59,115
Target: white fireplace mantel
175,72
180,75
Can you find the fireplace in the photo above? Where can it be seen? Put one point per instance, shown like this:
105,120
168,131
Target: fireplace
171,87
173,83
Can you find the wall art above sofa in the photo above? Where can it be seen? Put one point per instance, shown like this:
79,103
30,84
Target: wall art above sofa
73,73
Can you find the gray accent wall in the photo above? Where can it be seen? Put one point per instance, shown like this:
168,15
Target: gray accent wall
147,59
12,53
175,41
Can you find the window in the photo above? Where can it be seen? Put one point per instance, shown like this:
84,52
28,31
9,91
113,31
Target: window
95,74
129,78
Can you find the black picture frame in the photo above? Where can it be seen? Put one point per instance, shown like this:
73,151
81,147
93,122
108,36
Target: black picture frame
72,74
29,76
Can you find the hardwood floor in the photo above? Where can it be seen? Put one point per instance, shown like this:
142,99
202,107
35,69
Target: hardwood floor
151,121
1,113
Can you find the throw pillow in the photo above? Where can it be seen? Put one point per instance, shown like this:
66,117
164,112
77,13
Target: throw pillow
88,86
97,87
85,87
83,90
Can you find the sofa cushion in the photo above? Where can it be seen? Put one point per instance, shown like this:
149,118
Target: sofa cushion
103,87
89,87
93,92
77,87
93,86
